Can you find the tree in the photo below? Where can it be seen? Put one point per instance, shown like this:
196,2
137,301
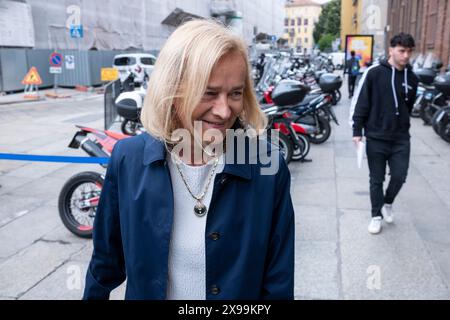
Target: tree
329,22
325,42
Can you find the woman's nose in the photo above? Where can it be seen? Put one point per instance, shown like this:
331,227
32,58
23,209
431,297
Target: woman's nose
221,107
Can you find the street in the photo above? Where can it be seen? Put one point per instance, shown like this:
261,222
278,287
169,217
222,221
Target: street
336,257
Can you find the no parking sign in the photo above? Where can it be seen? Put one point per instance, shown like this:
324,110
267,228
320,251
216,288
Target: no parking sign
56,59
56,62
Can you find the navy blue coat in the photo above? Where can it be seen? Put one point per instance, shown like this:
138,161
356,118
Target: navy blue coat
249,239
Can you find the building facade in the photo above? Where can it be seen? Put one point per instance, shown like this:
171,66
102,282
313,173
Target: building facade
366,17
126,25
429,23
301,15
350,18
91,33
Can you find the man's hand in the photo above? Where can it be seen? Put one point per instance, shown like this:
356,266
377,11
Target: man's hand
357,140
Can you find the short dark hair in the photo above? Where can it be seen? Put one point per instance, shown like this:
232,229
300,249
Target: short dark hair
352,53
404,40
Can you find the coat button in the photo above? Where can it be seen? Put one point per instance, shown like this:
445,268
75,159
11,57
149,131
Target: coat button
215,290
224,180
214,236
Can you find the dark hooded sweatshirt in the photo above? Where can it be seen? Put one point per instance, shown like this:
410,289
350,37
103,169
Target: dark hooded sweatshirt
383,103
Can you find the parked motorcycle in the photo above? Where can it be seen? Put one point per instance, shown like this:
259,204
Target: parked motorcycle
129,105
444,128
429,99
79,197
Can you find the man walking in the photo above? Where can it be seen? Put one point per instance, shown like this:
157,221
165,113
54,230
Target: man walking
353,73
381,109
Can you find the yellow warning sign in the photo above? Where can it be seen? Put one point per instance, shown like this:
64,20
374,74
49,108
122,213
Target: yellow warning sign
109,74
32,77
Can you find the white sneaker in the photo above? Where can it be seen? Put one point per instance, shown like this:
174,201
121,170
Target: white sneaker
387,212
375,225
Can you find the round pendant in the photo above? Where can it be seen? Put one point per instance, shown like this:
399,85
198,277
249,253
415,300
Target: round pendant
200,209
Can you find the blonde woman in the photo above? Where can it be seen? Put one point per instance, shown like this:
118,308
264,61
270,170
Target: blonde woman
178,217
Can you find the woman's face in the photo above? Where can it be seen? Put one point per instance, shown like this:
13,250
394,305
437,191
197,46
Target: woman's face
223,101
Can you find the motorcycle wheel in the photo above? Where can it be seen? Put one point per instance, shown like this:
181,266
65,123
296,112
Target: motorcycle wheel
129,127
415,113
338,95
427,112
437,125
81,187
323,134
300,152
285,145
445,132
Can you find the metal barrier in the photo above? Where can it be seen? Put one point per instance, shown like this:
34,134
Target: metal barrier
112,91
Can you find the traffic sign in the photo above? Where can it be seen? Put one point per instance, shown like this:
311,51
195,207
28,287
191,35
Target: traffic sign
55,70
70,62
32,77
76,31
56,59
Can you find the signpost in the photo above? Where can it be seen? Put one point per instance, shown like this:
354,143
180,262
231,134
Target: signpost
76,31
56,60
31,81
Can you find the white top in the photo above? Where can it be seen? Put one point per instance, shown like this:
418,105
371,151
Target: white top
187,265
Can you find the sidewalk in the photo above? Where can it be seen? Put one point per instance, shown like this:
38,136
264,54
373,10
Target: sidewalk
336,257
49,95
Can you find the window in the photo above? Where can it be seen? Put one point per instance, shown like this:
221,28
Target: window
299,29
124,61
148,61
299,21
306,22
292,22
286,30
306,40
286,22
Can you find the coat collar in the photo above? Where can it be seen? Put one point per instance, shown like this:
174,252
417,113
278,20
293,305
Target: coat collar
154,150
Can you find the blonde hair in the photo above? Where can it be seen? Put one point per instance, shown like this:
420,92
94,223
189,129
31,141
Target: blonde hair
181,74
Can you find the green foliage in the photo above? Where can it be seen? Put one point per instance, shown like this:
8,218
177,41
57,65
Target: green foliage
329,22
325,42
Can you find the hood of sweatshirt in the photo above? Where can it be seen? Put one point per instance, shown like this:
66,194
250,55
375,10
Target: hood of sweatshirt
395,73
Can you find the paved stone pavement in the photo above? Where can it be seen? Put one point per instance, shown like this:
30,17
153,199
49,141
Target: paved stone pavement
336,258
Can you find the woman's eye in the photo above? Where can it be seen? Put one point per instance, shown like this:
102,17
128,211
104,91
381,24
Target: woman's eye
237,94
211,93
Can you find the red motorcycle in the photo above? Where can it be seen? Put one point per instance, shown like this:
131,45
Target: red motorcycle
80,195
292,137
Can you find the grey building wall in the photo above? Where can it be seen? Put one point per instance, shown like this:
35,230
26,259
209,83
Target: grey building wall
136,24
